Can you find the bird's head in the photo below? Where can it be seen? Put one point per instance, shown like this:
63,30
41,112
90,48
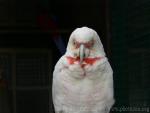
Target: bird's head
85,43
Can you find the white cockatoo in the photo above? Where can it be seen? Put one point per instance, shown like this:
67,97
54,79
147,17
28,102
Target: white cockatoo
82,78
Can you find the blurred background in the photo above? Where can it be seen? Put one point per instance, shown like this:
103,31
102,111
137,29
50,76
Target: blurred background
34,34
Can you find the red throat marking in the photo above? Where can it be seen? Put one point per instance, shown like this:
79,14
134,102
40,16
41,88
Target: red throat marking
89,61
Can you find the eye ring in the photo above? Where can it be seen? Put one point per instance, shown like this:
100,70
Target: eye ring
90,44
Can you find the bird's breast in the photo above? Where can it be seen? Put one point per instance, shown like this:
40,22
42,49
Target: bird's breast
82,93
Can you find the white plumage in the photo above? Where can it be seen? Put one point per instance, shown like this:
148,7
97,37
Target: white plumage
82,79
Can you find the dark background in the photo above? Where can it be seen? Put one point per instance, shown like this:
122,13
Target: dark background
28,53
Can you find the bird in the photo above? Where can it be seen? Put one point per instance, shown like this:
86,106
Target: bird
83,78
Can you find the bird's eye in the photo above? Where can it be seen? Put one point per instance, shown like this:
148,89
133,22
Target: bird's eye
90,44
74,42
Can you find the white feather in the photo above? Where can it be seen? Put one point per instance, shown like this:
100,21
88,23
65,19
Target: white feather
75,93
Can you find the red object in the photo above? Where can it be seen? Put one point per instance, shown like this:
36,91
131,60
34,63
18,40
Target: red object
89,61
87,45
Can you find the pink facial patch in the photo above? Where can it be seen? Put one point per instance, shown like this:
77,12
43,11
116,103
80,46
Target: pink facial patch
86,61
91,61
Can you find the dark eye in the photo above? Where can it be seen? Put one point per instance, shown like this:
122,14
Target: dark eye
74,42
92,43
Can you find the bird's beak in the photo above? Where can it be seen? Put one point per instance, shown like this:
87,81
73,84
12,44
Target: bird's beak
81,52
